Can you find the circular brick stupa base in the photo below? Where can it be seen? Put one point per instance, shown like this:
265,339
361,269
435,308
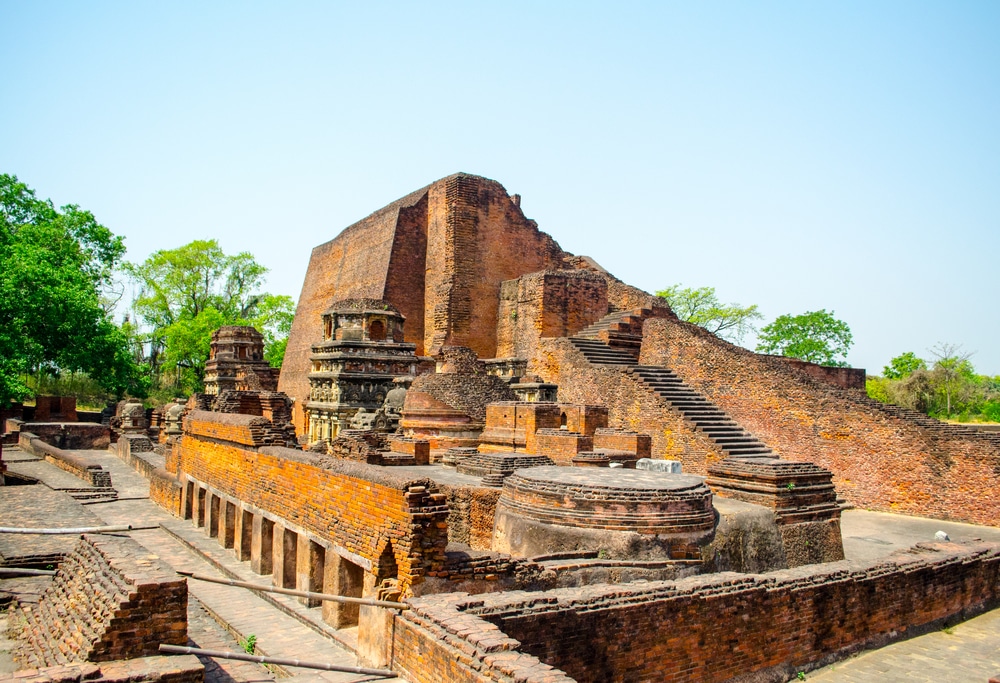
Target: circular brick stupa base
619,513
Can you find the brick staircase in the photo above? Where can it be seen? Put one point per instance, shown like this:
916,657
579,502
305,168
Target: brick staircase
599,353
706,417
621,330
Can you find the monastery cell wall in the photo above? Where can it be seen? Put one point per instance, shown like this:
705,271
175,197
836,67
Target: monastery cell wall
880,460
358,507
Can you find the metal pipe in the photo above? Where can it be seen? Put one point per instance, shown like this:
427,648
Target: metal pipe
17,571
79,530
280,661
298,594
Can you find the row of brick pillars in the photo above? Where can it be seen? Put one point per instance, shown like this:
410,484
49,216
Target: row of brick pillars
292,559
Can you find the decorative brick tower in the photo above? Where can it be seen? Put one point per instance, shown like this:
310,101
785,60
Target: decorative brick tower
236,362
354,366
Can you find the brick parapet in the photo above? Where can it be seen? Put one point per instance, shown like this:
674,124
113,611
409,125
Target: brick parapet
785,629
882,458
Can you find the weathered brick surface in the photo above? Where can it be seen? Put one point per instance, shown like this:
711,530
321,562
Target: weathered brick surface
468,393
547,304
110,599
470,514
71,435
881,458
438,254
715,627
357,506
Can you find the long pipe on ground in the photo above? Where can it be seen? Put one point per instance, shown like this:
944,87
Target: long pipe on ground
79,530
298,594
17,571
280,661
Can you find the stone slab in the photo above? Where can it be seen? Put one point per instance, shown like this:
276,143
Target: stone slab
650,465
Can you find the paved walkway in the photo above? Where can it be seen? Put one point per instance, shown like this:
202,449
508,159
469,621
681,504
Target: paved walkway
239,611
967,653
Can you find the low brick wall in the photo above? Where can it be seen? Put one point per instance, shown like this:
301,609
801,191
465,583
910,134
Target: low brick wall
95,475
110,599
716,627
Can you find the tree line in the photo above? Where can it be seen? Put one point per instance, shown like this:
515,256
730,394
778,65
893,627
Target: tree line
62,276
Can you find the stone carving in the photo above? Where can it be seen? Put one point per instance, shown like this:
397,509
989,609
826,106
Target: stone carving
351,383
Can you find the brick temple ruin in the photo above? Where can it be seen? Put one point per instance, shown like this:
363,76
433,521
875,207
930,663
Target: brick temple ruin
561,479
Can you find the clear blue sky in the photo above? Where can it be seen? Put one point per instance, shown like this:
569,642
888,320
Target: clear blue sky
799,155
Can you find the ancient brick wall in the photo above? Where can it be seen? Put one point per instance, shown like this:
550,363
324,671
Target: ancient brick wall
719,627
110,599
405,284
630,404
845,378
470,514
547,304
55,409
477,237
357,506
880,459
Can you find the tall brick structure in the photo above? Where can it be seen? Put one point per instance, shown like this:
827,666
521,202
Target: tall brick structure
439,255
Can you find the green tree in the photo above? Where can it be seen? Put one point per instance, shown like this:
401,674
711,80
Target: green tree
55,266
275,313
953,371
702,307
187,293
814,336
903,366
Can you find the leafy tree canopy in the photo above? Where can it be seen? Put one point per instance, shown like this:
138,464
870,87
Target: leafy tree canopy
814,336
187,293
702,307
54,266
903,366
